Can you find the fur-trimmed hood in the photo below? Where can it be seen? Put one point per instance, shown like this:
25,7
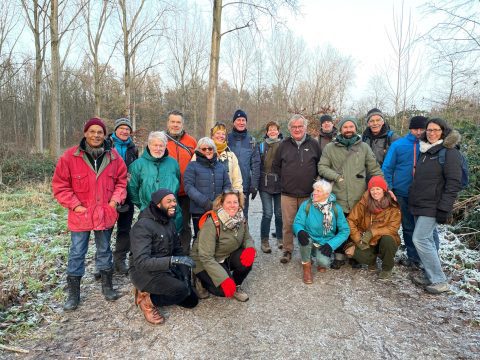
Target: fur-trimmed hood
452,139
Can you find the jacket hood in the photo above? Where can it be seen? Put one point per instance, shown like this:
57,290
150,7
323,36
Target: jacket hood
452,139
146,154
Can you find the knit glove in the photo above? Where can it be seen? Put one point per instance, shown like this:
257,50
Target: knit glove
208,205
229,287
303,238
253,192
326,250
441,217
247,256
182,260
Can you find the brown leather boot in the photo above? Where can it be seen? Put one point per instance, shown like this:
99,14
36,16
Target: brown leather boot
307,273
150,311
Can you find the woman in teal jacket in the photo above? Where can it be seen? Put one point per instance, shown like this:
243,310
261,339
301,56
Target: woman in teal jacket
152,171
320,227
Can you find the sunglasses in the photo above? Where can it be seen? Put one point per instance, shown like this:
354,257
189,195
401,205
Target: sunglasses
231,191
205,149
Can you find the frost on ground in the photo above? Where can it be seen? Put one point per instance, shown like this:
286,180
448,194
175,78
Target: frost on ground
343,314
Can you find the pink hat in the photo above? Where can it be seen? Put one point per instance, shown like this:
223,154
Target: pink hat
378,181
95,121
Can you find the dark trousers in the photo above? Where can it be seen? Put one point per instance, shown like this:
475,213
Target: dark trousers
186,233
385,250
234,269
408,225
246,205
195,220
124,224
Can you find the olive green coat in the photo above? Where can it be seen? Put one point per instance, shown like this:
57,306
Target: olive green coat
352,165
208,251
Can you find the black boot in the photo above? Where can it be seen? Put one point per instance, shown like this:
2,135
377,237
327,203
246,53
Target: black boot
73,293
107,288
120,266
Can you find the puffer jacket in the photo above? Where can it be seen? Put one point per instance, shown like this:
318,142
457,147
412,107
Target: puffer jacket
245,148
269,180
154,240
399,163
208,250
380,143
204,181
436,187
181,155
353,165
324,138
297,166
75,182
312,224
386,222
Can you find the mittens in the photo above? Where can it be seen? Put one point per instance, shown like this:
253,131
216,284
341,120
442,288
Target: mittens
326,250
229,287
441,217
303,238
247,256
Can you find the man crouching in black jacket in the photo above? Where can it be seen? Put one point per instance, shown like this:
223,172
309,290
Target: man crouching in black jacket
160,272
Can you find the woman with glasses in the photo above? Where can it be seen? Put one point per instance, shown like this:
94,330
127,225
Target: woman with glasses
204,179
434,189
374,222
224,251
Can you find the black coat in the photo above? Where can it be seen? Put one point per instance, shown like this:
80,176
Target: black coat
269,181
435,187
130,155
297,166
153,240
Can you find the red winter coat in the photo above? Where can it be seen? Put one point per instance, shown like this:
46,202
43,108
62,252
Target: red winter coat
75,183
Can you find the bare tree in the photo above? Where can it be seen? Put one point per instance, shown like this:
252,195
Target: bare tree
55,82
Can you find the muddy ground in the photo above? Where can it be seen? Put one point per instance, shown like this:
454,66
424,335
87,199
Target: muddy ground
344,314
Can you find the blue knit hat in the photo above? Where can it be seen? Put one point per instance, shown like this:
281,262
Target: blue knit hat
238,114
158,195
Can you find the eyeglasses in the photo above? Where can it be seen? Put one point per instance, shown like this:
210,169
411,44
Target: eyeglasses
433,130
375,121
297,127
206,149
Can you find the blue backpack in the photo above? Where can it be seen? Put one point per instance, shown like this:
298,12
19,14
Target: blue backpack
441,160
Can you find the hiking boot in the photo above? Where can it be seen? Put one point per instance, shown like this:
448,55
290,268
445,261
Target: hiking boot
413,265
73,293
287,256
385,274
280,243
107,287
266,246
437,288
240,295
321,269
202,293
337,264
355,264
420,280
372,267
96,274
150,311
307,273
120,266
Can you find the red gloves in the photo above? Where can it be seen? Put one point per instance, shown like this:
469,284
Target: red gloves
247,256
229,287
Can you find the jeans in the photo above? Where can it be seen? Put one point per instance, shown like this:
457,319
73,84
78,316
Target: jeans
124,224
310,252
186,233
269,203
425,243
246,205
408,225
79,247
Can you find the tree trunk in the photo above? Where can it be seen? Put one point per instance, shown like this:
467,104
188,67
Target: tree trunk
38,95
213,73
126,56
55,85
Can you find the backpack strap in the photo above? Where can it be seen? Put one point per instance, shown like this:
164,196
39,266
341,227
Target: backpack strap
262,148
179,144
388,140
216,221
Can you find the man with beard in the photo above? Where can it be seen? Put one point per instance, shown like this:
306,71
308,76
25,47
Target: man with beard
160,272
181,147
347,161
378,134
327,131
90,181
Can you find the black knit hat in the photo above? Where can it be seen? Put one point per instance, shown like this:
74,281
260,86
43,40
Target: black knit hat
418,122
158,195
374,111
239,113
325,118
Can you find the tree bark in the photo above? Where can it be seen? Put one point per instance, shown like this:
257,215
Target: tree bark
55,86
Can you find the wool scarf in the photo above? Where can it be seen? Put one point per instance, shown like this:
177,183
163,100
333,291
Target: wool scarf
230,222
326,209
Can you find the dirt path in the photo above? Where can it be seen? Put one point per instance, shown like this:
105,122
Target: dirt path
344,314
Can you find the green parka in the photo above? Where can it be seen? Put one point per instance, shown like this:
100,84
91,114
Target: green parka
352,165
208,251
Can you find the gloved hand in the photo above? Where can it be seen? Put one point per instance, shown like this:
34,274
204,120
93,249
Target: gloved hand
247,256
253,192
208,205
229,287
303,238
365,240
442,217
182,260
326,250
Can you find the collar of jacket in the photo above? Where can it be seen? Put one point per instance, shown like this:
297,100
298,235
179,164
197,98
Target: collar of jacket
329,135
81,148
338,143
383,132
204,161
176,137
239,135
146,154
154,213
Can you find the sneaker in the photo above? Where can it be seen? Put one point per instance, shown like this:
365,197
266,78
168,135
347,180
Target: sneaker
337,264
202,293
420,280
265,246
385,274
240,295
414,265
437,288
287,256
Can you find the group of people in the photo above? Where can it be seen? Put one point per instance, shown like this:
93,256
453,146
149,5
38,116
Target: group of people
363,188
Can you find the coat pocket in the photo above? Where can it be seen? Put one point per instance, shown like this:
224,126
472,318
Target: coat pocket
80,183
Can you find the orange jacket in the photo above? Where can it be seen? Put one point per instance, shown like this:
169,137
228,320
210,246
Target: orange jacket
385,223
182,156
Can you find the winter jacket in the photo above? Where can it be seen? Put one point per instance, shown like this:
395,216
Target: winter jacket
380,143
75,182
353,166
269,180
324,138
312,224
386,222
399,164
245,148
435,187
153,240
148,174
131,153
297,166
182,155
204,181
208,251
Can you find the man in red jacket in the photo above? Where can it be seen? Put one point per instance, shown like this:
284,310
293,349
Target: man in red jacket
90,180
